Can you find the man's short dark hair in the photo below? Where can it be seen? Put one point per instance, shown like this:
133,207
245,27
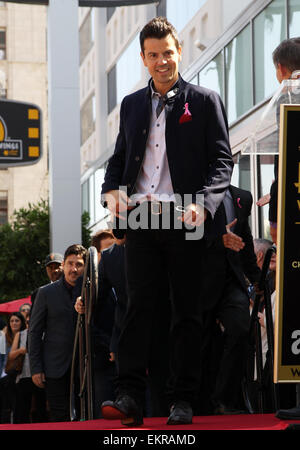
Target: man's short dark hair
288,54
100,236
76,249
158,28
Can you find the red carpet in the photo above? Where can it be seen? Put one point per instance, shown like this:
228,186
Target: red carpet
234,422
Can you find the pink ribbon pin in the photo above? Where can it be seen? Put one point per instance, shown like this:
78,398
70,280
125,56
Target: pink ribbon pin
238,202
186,116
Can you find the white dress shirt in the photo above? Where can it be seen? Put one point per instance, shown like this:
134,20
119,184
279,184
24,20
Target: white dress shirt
154,180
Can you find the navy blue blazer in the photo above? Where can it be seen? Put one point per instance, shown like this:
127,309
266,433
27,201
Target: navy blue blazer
52,330
198,151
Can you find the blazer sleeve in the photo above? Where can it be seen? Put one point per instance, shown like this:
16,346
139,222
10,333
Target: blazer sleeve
220,162
36,330
116,163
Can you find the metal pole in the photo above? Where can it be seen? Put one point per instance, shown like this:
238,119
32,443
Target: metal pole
64,124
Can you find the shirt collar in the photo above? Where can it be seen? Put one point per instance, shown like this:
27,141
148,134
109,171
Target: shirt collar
171,92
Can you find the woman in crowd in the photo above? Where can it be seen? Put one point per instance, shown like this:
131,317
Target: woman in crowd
16,323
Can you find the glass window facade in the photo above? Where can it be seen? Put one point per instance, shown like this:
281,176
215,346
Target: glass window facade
179,13
212,75
128,69
111,89
265,172
294,18
2,44
86,35
91,196
241,172
243,72
88,118
123,77
238,75
269,31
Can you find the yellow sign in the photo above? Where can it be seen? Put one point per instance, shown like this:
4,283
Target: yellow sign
20,133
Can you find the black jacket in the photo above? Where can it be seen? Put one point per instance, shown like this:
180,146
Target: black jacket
198,151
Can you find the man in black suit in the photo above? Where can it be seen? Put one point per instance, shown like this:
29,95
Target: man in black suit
172,146
234,259
51,334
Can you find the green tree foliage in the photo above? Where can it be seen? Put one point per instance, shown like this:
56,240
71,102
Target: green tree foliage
24,244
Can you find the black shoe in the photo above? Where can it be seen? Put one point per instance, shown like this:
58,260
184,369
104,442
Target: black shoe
181,413
224,410
124,408
289,414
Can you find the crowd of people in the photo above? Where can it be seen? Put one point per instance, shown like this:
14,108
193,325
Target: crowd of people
171,322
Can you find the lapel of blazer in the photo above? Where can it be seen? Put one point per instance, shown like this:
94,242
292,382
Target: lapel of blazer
175,103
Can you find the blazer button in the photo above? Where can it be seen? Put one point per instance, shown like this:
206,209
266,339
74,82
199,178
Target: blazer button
144,131
137,158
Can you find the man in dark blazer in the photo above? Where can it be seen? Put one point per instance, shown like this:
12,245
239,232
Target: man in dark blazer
234,259
51,334
172,144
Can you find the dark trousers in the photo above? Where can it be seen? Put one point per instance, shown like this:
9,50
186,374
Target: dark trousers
150,257
234,320
58,396
24,393
104,386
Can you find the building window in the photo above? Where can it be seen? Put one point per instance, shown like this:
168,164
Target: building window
124,76
238,75
2,44
2,84
241,172
85,197
111,89
179,13
294,18
212,75
88,118
109,13
86,35
195,80
161,8
128,69
265,171
269,31
3,207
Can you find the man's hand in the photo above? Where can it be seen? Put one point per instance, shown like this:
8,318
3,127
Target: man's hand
39,379
79,306
117,202
194,215
232,240
264,200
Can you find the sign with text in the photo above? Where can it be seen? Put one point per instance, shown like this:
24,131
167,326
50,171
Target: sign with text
94,3
20,134
287,326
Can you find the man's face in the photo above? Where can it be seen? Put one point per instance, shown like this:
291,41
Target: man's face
54,271
162,57
73,267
